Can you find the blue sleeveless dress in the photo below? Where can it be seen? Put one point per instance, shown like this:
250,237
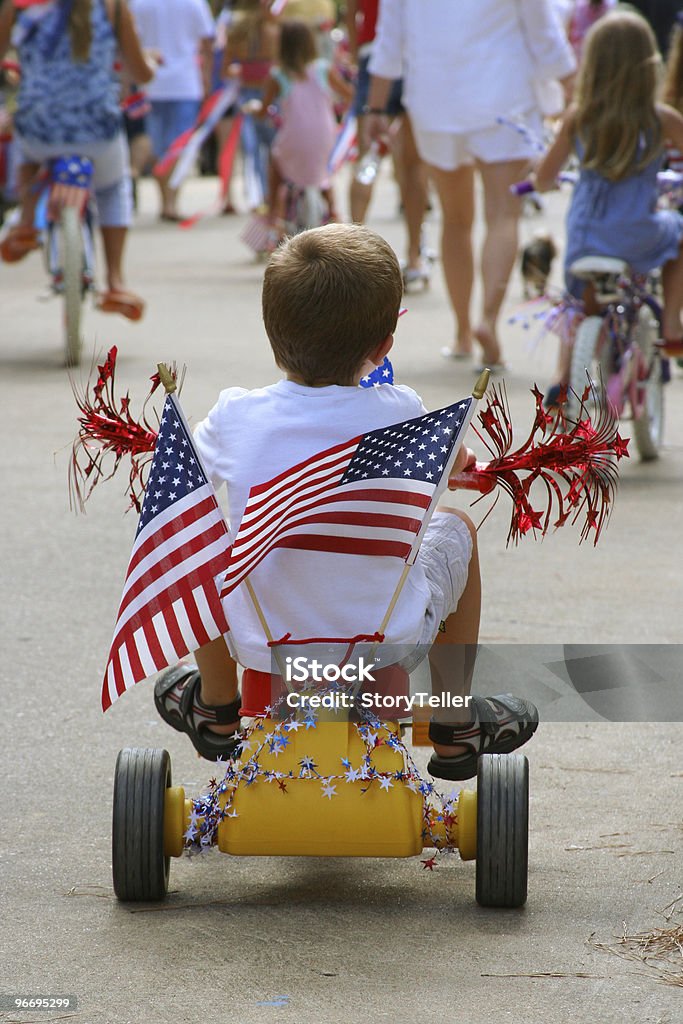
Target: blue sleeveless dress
62,100
620,219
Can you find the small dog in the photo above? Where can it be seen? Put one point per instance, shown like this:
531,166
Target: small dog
536,263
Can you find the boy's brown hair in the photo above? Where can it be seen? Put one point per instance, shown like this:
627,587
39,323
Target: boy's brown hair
331,296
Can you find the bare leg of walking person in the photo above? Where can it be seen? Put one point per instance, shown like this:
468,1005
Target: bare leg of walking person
456,196
501,211
411,175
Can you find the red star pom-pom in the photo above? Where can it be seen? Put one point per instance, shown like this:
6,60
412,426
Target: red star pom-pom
429,864
574,460
107,430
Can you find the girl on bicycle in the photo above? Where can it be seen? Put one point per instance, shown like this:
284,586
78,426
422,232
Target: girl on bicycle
303,88
68,104
618,131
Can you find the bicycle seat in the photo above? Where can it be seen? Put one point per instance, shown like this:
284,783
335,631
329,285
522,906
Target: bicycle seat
260,689
595,266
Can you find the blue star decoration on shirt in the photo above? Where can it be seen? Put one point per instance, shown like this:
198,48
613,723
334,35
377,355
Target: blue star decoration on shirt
415,450
382,374
175,471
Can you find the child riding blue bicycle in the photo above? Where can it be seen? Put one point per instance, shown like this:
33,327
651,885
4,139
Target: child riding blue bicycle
618,130
68,105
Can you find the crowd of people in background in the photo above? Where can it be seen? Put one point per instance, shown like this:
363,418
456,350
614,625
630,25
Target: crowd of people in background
454,92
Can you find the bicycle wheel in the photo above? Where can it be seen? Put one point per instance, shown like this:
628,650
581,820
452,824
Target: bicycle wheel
139,866
647,388
588,366
72,269
502,830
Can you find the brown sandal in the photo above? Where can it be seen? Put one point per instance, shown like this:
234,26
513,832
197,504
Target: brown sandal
671,346
19,242
126,303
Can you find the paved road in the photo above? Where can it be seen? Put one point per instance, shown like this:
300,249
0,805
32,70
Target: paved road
264,940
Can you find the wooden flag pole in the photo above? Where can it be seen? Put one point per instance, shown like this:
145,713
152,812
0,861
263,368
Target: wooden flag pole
268,634
166,378
478,392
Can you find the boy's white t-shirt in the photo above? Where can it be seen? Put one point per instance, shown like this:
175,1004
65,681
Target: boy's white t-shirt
248,438
175,28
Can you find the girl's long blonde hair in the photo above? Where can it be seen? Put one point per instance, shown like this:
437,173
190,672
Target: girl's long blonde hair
616,118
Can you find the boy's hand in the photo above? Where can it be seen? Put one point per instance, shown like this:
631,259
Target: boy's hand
465,459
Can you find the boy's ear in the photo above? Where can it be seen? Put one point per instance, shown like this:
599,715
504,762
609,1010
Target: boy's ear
382,350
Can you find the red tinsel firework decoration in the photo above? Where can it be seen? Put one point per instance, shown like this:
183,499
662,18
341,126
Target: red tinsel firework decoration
107,428
576,461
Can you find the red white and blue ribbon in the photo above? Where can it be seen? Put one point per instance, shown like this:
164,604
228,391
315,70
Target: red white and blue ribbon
226,160
344,143
183,151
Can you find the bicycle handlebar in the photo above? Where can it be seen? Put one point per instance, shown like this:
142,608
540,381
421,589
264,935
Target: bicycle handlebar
667,181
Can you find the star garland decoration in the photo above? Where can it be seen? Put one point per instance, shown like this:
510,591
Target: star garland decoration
217,803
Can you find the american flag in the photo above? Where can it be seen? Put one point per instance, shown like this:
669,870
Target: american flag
170,604
372,495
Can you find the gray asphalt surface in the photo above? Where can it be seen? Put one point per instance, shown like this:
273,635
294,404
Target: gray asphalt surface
299,940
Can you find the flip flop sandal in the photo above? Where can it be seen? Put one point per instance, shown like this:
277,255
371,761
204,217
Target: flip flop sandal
500,725
19,242
459,357
126,303
495,368
176,696
671,346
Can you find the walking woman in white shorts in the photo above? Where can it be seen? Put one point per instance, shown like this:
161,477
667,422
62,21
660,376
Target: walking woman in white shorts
465,66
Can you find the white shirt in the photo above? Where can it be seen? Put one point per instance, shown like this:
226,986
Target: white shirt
467,62
175,28
248,438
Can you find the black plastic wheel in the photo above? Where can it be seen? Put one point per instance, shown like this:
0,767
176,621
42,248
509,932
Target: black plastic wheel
502,830
139,866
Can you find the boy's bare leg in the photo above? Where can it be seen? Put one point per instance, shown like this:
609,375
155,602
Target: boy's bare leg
219,679
452,657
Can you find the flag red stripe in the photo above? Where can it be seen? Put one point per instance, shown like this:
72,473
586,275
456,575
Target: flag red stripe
217,610
134,658
119,681
153,644
346,545
174,631
195,620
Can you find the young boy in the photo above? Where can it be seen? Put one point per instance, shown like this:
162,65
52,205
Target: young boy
331,300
